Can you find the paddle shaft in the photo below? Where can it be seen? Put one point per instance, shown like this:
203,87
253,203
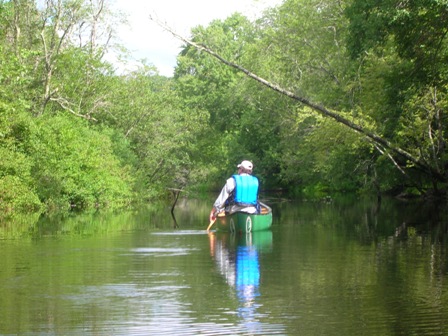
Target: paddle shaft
211,224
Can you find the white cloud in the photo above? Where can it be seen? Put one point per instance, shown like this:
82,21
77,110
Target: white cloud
146,40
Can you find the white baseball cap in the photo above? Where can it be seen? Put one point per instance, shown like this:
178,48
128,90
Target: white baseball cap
246,165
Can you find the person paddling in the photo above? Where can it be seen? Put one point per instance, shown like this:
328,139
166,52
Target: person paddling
239,194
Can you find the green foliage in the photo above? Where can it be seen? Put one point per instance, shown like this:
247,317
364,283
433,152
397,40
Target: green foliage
147,112
75,134
404,49
320,155
307,55
203,82
82,83
14,163
418,29
16,185
236,129
75,166
423,125
16,196
14,81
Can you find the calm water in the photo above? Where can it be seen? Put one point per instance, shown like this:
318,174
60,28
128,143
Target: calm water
325,268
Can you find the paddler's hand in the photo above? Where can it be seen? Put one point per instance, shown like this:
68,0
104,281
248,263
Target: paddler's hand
212,215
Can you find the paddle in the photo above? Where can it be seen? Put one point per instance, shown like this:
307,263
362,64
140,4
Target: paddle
211,224
212,217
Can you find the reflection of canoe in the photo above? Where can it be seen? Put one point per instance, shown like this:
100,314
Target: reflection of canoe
238,257
261,240
244,222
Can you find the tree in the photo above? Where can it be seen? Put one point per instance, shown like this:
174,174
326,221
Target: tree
402,157
146,110
417,29
70,28
205,84
75,166
404,45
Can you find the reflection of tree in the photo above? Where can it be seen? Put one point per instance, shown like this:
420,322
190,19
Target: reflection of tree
176,193
17,226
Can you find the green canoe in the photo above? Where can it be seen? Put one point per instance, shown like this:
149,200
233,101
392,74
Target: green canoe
244,222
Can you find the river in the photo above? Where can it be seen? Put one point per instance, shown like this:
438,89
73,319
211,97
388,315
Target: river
328,267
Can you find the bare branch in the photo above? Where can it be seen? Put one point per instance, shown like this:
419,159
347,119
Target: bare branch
66,106
135,123
391,158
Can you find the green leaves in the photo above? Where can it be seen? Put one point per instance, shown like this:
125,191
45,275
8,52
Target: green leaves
76,165
418,30
17,192
75,134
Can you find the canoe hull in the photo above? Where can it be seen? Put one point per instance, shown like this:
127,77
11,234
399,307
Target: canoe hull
244,222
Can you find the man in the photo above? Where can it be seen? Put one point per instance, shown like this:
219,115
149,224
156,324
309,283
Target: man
240,193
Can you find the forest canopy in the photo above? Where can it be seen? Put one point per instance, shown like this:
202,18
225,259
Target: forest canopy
354,99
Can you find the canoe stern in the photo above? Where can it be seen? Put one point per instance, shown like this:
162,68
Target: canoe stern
243,222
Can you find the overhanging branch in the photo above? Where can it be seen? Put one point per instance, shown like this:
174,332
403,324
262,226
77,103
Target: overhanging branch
375,138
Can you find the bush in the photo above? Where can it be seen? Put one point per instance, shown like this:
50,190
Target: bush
76,166
16,185
16,196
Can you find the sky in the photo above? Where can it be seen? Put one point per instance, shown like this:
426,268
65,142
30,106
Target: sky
146,40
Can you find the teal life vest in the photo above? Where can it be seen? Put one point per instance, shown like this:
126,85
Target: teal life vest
246,192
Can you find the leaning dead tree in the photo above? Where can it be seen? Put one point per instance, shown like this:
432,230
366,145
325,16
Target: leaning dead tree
385,146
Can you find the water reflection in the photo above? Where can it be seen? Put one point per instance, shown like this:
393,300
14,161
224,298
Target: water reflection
238,259
325,269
